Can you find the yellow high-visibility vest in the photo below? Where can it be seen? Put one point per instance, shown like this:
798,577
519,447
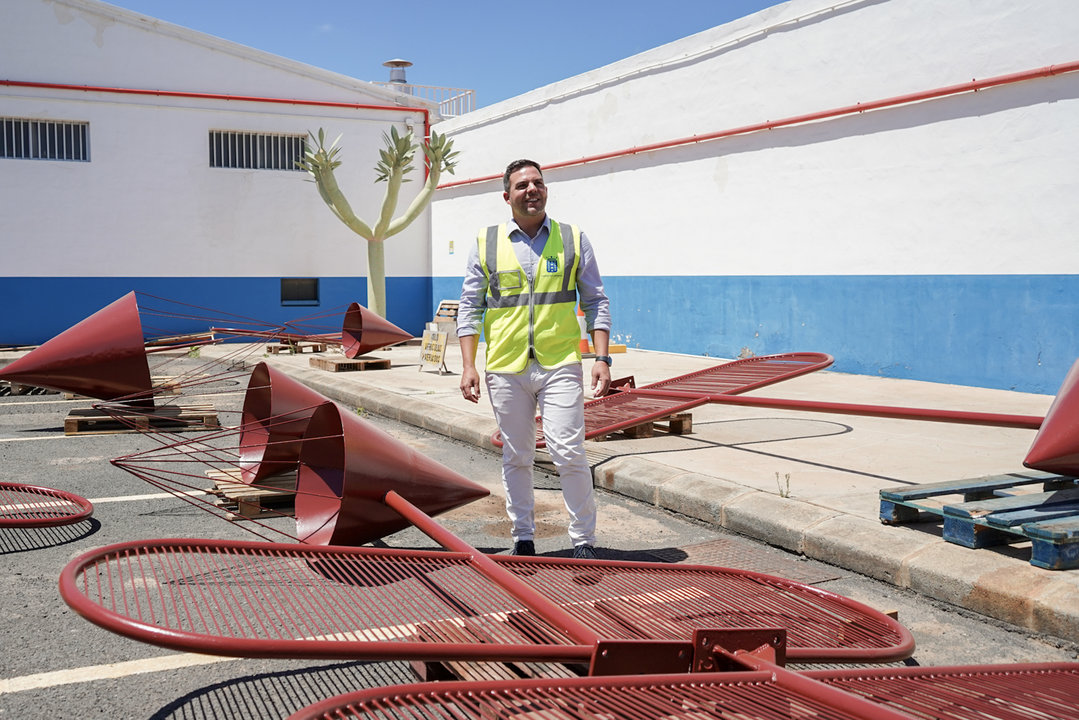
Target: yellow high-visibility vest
541,317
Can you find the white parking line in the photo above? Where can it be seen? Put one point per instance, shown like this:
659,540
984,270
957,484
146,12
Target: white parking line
90,673
153,496
42,437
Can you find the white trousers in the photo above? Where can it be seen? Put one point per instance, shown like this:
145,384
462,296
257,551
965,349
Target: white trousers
559,397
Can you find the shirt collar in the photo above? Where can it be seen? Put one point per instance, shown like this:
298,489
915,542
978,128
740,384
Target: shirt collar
512,227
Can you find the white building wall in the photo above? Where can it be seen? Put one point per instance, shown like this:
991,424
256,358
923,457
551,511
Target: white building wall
148,205
864,235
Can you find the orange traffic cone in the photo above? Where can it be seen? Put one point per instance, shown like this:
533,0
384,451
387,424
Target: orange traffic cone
346,468
364,331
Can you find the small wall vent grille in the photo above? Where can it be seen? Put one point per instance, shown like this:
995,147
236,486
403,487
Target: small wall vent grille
25,139
256,151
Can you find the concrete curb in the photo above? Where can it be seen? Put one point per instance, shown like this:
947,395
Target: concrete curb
988,583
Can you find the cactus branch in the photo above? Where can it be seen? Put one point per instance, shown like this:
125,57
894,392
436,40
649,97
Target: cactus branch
395,162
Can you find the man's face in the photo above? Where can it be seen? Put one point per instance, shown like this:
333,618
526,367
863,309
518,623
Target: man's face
527,195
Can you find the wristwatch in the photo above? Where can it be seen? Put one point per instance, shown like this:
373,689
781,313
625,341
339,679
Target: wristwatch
605,359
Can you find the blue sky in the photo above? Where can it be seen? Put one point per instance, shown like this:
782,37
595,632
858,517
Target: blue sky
499,49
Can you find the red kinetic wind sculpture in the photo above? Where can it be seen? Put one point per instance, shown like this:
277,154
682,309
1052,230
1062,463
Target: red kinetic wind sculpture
1056,446
330,598
275,414
101,357
364,331
346,469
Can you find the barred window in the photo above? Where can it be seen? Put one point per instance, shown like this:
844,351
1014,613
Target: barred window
256,151
26,139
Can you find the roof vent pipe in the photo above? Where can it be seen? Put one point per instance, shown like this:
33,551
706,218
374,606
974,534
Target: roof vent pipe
397,70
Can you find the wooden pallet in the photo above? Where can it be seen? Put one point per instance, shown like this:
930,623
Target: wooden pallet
677,424
296,348
447,311
272,496
170,418
346,365
987,511
445,320
9,388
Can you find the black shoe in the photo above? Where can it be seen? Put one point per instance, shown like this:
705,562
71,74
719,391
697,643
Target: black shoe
523,547
584,552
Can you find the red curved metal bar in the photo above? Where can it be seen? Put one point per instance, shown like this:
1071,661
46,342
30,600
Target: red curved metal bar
364,331
346,468
279,600
101,357
25,506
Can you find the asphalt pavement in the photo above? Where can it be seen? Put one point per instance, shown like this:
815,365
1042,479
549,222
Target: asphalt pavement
701,498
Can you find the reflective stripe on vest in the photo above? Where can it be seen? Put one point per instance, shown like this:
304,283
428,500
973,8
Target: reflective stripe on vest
540,316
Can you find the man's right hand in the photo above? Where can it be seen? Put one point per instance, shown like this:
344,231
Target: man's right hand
470,384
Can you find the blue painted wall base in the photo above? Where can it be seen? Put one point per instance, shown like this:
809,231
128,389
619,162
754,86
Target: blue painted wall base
37,309
1012,332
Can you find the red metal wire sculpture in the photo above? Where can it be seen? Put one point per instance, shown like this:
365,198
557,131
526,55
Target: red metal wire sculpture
25,506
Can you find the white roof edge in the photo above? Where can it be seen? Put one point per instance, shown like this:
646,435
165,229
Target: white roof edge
180,32
752,25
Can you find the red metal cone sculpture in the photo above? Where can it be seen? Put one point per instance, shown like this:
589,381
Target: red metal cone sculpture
275,415
1056,446
101,357
364,331
346,468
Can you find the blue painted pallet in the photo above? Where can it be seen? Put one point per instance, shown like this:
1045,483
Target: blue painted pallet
990,512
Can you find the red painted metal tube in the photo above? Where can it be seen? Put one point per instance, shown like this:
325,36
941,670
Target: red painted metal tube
535,601
1027,422
972,86
220,96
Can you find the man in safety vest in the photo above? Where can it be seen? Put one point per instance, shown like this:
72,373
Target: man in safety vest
522,284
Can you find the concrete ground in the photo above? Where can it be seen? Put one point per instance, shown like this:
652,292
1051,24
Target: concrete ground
807,482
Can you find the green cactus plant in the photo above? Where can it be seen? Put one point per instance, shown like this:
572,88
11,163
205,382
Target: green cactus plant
395,161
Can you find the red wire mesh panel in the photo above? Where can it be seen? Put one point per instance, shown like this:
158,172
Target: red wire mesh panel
739,696
279,600
612,413
1024,692
746,374
33,506
1004,692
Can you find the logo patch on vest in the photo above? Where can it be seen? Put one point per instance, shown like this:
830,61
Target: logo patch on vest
552,263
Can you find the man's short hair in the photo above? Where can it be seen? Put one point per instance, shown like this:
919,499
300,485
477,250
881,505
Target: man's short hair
514,167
